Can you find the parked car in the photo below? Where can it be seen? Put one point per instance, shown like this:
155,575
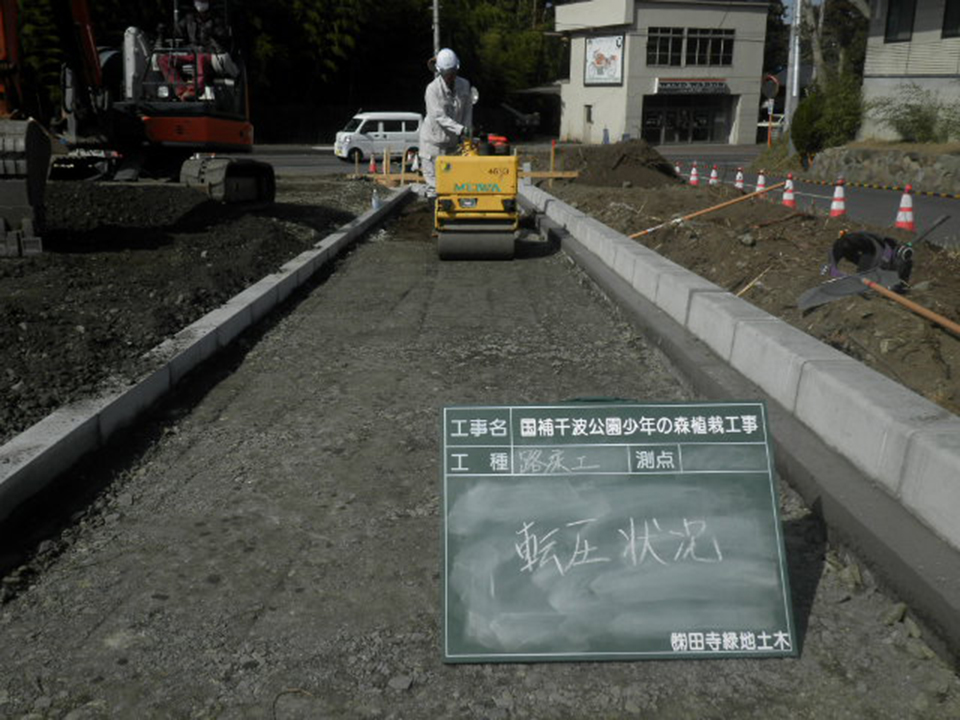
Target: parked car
377,132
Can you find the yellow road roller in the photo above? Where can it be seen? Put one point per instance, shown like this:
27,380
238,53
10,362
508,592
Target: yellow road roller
476,215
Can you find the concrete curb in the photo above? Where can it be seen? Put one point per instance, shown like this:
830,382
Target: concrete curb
37,456
878,461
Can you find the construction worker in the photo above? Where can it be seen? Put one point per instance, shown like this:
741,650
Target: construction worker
207,36
449,115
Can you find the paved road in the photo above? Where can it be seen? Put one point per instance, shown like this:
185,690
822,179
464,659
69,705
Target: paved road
866,205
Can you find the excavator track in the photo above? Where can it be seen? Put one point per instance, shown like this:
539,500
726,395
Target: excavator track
24,163
230,180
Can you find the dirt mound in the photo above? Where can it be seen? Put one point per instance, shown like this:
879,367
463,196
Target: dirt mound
633,163
126,266
770,255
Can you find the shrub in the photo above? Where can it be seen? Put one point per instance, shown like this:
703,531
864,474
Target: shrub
917,115
804,127
842,109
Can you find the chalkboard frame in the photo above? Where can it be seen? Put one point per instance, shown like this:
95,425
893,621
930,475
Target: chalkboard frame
693,644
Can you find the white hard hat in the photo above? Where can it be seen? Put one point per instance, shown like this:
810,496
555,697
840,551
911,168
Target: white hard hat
447,60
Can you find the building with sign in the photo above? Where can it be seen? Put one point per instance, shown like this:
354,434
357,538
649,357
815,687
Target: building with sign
911,44
669,71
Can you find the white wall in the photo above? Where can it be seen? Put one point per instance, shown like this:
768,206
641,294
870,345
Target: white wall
927,60
619,109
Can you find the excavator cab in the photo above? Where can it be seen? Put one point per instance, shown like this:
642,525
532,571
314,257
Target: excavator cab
163,105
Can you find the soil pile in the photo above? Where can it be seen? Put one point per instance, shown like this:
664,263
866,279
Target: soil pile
769,255
127,266
625,164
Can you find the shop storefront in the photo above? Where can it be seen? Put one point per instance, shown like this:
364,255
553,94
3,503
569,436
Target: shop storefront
688,111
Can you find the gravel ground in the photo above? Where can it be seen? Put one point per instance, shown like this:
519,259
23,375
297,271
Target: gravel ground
268,547
128,265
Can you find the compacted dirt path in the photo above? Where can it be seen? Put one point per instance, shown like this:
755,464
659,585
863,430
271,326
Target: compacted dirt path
272,550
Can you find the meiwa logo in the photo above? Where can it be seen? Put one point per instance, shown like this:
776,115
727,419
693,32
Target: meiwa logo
477,187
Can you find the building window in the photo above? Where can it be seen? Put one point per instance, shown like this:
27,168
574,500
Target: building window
709,47
664,46
900,20
951,19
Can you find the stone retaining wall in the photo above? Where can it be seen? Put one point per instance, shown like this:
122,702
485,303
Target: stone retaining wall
929,173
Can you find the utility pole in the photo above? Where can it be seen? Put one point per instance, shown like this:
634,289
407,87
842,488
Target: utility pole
793,66
436,27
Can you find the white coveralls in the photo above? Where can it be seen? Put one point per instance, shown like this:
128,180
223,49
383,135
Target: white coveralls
449,113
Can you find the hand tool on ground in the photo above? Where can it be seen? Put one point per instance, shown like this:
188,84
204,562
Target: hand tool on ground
886,270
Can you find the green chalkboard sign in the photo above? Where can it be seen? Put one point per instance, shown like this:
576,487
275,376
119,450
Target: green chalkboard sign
611,531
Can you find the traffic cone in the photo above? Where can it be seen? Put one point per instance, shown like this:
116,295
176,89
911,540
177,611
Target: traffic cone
788,199
714,178
694,176
905,215
738,183
373,163
838,207
761,181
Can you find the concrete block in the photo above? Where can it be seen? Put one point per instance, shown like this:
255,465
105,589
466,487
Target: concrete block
594,235
122,408
647,268
309,264
261,297
605,238
230,320
561,212
286,284
624,259
772,355
864,415
333,243
675,289
930,485
295,265
35,457
200,337
714,317
534,195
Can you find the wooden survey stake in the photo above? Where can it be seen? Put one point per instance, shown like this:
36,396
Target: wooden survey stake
612,531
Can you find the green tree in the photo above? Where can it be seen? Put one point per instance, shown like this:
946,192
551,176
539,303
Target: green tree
776,48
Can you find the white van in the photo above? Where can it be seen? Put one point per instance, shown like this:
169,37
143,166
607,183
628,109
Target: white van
377,132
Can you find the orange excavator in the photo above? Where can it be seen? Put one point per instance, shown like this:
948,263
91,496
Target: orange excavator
157,106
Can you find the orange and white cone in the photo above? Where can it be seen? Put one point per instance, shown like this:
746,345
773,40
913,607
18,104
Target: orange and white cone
788,198
738,183
373,163
714,178
838,207
761,181
905,215
694,176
